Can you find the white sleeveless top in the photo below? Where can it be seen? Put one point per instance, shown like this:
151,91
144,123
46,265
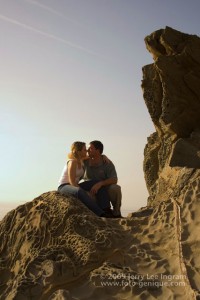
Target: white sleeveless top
64,176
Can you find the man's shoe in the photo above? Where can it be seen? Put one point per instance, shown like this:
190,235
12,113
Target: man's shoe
108,213
118,217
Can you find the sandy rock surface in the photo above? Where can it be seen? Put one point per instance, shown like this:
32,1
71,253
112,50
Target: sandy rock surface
55,248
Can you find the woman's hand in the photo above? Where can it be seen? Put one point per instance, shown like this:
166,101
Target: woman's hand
85,158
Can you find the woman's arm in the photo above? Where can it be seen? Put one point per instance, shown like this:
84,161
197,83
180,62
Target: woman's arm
72,165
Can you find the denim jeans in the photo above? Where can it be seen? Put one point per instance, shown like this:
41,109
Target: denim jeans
102,197
82,195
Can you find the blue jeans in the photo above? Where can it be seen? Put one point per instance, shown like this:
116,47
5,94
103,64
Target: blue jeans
82,195
102,197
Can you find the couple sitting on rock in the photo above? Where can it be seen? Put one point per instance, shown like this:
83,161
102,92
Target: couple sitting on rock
92,179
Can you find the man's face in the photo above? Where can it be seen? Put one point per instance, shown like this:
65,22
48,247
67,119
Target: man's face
92,151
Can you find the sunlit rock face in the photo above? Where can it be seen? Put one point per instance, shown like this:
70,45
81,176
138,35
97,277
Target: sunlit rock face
54,248
172,154
172,95
51,243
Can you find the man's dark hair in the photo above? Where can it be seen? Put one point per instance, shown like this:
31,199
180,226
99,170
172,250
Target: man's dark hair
98,145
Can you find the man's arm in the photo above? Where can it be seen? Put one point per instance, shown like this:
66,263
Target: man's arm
108,181
101,183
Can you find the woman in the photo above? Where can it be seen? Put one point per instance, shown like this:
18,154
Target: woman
72,172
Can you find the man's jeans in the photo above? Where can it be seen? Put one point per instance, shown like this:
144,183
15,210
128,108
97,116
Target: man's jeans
115,195
112,193
102,197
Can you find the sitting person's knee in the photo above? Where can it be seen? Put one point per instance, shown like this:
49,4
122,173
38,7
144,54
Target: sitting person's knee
114,189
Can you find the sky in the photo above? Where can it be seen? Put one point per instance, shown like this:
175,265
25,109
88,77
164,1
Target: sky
72,70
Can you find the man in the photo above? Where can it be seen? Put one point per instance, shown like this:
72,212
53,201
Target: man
105,175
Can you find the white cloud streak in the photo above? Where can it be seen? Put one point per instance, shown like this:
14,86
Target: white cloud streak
53,11
47,35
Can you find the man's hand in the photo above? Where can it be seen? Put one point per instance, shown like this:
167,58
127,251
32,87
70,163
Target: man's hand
96,187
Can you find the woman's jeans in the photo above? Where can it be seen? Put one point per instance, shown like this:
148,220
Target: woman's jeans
81,194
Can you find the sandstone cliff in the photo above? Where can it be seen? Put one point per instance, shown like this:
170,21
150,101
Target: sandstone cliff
54,248
172,155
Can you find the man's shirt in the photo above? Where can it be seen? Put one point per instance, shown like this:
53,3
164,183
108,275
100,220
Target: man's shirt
99,172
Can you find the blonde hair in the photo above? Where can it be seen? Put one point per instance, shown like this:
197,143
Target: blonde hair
75,148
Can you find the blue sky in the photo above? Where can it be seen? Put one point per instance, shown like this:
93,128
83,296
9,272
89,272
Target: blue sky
72,70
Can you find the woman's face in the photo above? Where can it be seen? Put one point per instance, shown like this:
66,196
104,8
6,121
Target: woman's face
83,152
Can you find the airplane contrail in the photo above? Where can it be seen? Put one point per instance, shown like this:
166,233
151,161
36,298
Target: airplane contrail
48,35
55,12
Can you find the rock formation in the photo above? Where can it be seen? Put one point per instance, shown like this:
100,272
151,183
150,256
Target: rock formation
54,248
172,154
